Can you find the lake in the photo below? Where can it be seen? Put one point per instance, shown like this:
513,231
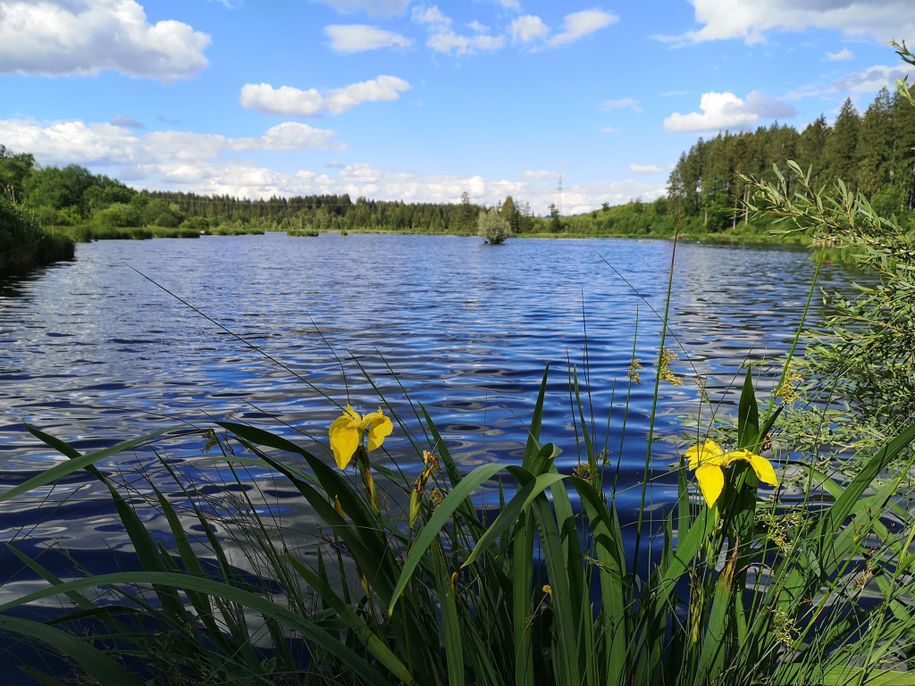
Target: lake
94,352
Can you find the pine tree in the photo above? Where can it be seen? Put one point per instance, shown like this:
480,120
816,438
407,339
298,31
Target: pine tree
841,151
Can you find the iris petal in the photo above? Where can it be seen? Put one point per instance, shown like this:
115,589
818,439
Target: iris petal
707,453
378,427
763,469
345,434
711,482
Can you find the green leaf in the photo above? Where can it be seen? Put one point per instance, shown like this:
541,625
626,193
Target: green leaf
438,520
308,629
99,665
507,518
747,415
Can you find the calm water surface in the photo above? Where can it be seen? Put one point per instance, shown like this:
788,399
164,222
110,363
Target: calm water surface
93,352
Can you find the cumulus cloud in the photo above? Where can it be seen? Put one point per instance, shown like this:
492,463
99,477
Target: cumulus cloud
843,54
74,37
645,169
211,164
577,25
99,144
528,28
442,38
621,104
861,82
750,21
381,8
295,102
727,111
430,15
350,38
448,41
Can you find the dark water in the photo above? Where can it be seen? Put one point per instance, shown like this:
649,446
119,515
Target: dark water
94,353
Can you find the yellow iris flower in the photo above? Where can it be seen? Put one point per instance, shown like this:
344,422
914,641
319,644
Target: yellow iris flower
347,431
708,460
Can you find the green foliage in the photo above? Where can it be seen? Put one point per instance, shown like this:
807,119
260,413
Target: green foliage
24,243
492,227
457,601
116,215
196,224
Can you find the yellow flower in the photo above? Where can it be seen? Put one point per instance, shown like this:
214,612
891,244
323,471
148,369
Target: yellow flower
347,431
708,459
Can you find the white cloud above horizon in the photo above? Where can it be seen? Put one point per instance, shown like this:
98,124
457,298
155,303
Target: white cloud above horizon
751,21
841,55
195,162
353,38
443,38
853,84
720,111
527,30
63,37
577,25
289,101
645,169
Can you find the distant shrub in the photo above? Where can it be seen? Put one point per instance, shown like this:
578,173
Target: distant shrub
493,227
196,223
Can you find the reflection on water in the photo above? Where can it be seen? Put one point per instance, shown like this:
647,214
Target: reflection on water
94,353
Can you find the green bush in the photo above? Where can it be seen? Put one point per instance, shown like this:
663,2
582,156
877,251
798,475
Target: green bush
196,224
493,227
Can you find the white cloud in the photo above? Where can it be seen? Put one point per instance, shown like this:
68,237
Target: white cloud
750,21
727,111
513,5
621,104
76,37
209,164
645,169
872,79
448,41
843,54
861,82
442,38
579,24
430,15
527,28
350,38
75,141
609,129
295,102
381,8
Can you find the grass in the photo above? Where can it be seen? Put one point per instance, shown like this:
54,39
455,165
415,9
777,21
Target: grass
429,587
24,244
86,233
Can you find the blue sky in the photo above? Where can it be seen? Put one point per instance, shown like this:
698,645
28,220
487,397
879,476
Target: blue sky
399,99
